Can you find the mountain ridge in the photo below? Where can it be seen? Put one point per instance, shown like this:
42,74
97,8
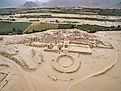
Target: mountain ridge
29,4
71,3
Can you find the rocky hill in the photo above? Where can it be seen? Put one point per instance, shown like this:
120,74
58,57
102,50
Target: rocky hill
29,5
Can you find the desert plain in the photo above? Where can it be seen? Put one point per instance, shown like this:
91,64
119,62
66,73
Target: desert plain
61,60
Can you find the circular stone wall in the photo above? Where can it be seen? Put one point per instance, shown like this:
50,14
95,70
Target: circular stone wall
66,64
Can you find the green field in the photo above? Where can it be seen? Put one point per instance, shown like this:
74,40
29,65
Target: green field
38,27
95,28
69,10
8,27
24,27
107,12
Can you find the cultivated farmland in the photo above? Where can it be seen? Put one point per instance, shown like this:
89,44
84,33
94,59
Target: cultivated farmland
40,27
7,27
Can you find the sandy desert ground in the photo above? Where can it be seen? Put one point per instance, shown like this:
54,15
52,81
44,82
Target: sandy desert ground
61,60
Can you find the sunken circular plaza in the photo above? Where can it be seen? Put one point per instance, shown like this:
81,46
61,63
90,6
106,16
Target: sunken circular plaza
66,64
65,61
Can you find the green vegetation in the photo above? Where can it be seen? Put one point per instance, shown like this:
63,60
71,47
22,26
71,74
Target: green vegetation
8,11
34,16
38,27
23,27
111,12
88,11
95,28
50,16
66,26
13,27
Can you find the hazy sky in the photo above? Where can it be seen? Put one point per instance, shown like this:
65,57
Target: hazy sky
9,3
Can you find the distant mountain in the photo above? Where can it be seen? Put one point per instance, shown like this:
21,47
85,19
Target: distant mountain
64,3
29,5
81,3
72,3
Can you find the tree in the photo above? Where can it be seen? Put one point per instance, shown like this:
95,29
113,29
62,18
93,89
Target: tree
119,26
14,30
57,21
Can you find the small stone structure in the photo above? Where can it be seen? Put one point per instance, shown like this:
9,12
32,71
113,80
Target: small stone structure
66,47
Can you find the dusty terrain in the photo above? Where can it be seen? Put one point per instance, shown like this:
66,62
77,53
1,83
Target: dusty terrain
61,60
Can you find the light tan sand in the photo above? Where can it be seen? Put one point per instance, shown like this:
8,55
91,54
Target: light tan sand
111,79
45,61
